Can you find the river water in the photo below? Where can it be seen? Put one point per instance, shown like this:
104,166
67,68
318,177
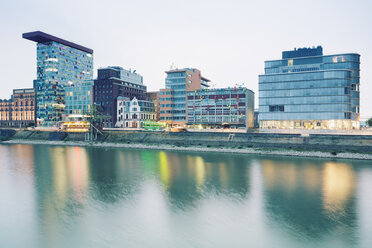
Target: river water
53,196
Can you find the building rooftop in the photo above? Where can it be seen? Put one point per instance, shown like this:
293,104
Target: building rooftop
184,70
303,52
41,37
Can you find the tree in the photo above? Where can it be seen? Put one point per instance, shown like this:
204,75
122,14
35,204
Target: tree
369,122
95,118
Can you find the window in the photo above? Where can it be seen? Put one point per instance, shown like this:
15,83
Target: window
276,108
347,91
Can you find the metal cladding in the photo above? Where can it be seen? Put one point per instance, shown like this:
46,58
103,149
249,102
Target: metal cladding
42,37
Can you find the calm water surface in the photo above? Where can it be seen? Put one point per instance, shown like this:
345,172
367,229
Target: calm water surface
90,197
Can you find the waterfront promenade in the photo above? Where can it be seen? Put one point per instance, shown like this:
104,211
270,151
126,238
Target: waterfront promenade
311,145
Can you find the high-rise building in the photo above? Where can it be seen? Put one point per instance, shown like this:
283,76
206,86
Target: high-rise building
218,108
172,99
308,90
113,82
60,63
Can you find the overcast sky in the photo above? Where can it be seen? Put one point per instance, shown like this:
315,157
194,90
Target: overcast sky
227,40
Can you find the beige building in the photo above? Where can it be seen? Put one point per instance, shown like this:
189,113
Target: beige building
19,110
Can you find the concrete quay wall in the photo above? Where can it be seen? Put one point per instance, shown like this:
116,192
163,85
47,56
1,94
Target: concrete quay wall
319,142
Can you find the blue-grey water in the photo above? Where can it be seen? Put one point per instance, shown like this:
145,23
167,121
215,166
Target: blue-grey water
53,196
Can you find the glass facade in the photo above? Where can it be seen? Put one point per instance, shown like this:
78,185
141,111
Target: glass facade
219,107
59,64
313,92
79,98
177,82
172,99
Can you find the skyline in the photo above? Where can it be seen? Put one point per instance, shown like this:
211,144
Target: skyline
227,42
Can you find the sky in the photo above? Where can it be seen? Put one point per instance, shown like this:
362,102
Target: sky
227,40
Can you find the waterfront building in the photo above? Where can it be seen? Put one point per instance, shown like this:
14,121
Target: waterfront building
112,82
79,98
308,90
219,108
154,97
172,99
60,63
19,111
256,122
134,113
5,112
23,107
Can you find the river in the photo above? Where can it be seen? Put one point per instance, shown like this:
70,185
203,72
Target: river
55,196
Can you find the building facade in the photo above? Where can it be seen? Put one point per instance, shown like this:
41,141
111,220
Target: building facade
6,112
154,97
19,111
79,98
307,90
113,82
133,113
60,63
219,108
173,99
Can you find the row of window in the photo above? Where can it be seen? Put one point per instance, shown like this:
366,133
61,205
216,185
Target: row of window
305,92
304,116
301,100
305,76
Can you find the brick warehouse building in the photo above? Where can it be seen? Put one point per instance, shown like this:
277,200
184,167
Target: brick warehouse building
19,110
112,82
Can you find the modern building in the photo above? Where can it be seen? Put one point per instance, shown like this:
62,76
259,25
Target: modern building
308,90
173,99
60,63
19,111
154,97
79,98
220,108
113,82
256,122
133,113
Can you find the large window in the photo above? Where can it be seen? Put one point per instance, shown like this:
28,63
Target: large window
276,108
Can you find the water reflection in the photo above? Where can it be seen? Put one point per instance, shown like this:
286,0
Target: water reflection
187,178
311,200
91,197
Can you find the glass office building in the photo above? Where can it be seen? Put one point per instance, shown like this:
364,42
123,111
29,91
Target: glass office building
79,98
60,63
306,90
173,100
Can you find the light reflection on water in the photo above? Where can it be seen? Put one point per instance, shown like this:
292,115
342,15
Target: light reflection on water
89,197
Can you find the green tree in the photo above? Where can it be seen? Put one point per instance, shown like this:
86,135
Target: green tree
95,118
369,122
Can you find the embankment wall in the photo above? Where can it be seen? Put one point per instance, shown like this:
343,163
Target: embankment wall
320,142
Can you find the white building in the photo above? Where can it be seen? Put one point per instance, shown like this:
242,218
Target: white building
133,113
